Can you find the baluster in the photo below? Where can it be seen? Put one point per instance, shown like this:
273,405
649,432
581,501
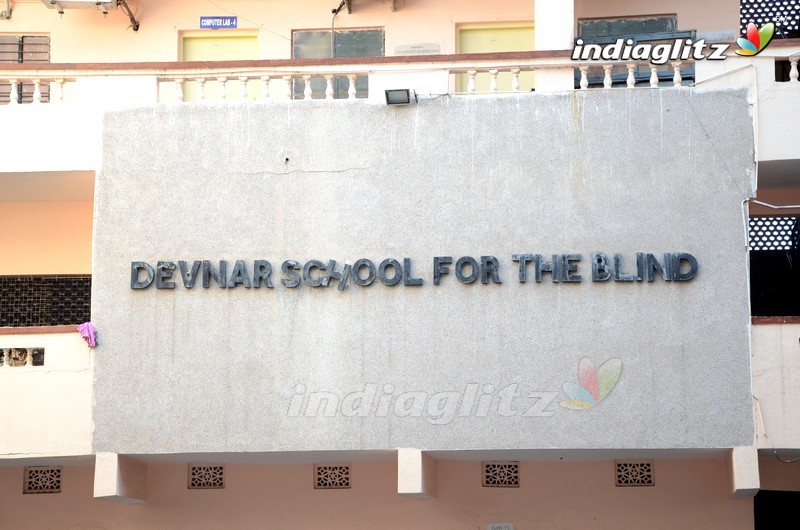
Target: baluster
37,92
328,86
13,96
653,76
584,77
200,93
471,82
493,80
264,87
59,92
179,89
793,71
631,81
676,78
351,89
307,90
6,357
222,82
243,88
607,75
287,88
28,356
515,79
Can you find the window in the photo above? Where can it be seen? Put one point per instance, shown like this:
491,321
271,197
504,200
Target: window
49,300
774,274
324,44
24,49
653,29
615,27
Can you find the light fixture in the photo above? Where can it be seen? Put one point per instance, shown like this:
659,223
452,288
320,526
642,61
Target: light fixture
399,96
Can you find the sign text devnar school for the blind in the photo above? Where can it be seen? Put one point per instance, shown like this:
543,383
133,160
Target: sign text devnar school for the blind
555,268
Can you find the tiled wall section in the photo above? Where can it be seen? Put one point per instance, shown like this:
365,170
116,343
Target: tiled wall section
44,300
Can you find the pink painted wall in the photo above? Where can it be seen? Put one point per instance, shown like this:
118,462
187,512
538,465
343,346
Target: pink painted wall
777,197
85,35
688,494
46,238
782,475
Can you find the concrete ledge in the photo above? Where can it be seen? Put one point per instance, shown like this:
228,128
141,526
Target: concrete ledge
742,470
120,478
416,474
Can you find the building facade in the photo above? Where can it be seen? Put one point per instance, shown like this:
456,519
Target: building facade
548,290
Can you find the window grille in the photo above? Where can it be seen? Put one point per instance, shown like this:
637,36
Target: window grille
24,49
44,300
774,233
784,14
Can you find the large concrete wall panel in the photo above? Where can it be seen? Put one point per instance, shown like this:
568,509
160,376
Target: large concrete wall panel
438,367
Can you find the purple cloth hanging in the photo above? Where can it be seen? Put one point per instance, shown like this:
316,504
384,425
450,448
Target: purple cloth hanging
88,333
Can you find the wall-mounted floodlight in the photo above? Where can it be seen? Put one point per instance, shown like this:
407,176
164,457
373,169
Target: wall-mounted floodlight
399,96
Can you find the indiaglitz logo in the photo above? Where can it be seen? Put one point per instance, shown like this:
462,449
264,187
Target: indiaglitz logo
593,384
681,49
443,406
756,39
658,54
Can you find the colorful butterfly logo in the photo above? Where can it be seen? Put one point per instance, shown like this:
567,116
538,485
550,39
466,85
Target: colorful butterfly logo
757,39
593,384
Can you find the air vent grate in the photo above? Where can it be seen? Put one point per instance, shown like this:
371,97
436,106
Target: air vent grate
328,477
42,480
634,474
501,474
206,477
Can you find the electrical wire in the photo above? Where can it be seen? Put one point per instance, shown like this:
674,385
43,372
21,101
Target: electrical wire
123,4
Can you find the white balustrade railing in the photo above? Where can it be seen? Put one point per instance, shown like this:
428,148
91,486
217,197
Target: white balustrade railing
14,84
263,84
175,80
14,357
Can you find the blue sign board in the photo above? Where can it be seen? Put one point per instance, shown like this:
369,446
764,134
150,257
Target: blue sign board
219,22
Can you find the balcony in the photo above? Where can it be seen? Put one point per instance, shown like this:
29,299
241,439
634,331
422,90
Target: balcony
69,121
78,94
45,366
46,386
